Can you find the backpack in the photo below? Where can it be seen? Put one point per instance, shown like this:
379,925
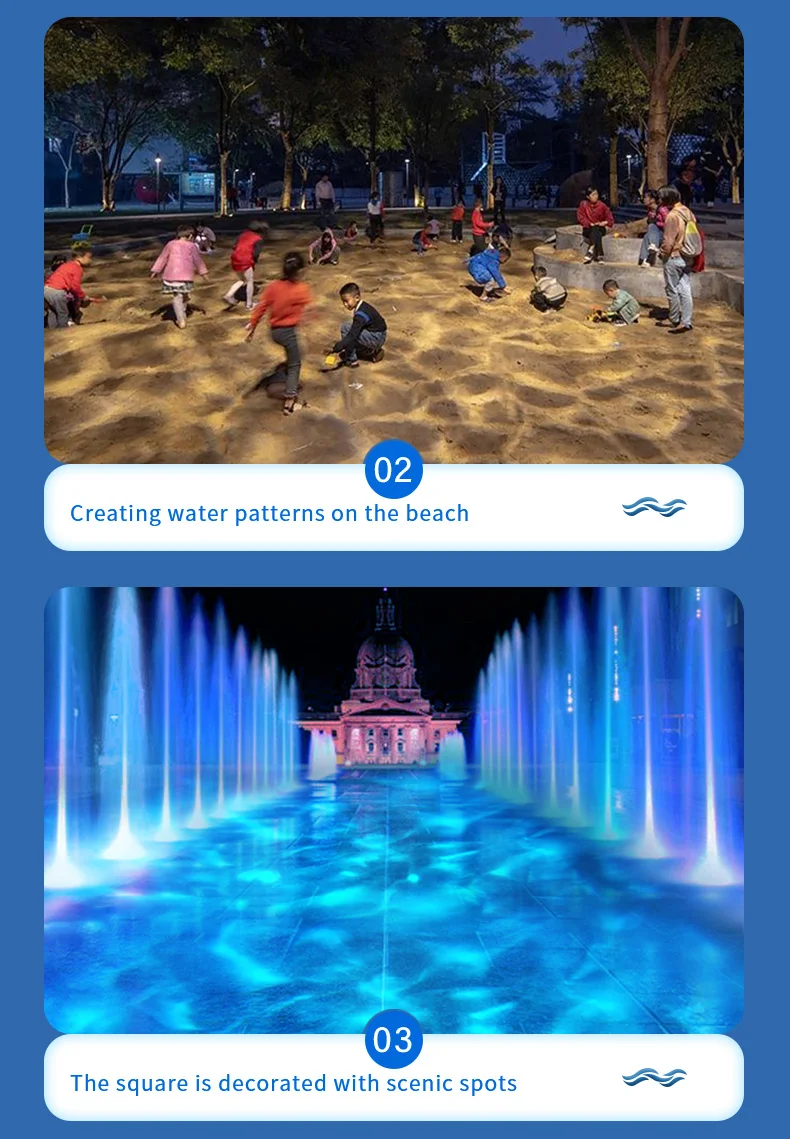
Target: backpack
693,245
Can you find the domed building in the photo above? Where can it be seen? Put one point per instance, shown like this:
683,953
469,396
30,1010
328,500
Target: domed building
385,721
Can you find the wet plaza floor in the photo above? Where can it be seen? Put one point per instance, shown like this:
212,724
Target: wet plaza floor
391,889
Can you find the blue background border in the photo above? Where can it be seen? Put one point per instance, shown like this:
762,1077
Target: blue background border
756,569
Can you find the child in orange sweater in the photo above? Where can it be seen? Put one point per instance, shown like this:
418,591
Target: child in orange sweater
457,219
285,301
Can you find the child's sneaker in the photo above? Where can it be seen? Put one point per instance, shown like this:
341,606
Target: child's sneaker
377,356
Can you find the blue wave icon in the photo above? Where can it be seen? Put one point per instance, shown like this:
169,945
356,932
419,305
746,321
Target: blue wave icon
649,503
666,1081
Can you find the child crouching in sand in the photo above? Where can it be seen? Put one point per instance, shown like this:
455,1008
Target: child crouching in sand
484,269
364,334
623,308
421,242
63,292
548,295
324,250
285,301
178,262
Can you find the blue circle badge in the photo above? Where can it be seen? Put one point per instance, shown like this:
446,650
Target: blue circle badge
393,468
393,1038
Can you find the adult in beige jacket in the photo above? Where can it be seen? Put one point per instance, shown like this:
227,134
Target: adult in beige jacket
677,268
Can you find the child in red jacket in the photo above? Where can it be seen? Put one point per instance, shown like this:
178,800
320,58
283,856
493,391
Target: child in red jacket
243,259
63,292
480,228
595,218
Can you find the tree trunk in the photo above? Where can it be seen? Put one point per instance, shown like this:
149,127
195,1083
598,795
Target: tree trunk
224,155
374,175
288,172
735,186
614,196
107,191
304,171
657,133
66,197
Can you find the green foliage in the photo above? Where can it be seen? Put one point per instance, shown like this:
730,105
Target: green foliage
104,85
610,72
497,79
432,97
372,58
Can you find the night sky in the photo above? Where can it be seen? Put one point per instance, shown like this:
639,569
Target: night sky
317,632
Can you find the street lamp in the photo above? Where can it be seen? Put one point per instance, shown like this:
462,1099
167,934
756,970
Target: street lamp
628,158
408,160
158,161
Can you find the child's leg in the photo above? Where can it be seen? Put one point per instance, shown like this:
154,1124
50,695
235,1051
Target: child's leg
232,295
370,343
287,339
644,248
58,308
249,281
351,353
180,308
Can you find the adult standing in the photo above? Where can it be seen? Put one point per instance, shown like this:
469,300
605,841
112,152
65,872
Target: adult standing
595,218
500,200
677,267
712,170
325,199
684,184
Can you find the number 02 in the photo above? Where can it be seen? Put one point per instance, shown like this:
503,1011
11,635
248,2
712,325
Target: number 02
383,469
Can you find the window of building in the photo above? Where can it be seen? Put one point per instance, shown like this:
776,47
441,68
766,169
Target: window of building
334,734
400,733
400,747
370,733
370,745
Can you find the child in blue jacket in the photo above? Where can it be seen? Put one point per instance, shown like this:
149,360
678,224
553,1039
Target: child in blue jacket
484,268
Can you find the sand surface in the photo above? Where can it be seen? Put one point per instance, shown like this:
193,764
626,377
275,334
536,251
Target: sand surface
462,381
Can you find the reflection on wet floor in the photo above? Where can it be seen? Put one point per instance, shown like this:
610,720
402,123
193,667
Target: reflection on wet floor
392,889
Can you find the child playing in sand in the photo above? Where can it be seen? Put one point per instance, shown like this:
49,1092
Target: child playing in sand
351,232
63,292
243,260
484,268
324,250
364,335
480,227
178,262
375,217
421,242
656,216
457,223
548,295
433,229
623,308
285,301
205,238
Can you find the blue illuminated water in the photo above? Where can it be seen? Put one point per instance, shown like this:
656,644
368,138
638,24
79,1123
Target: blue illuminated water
621,715
391,889
574,864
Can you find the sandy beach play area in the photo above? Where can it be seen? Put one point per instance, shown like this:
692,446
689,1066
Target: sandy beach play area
462,381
